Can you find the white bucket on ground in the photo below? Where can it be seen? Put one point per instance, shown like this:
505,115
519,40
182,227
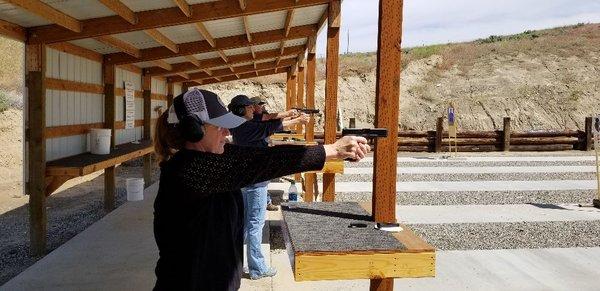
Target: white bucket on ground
135,189
100,141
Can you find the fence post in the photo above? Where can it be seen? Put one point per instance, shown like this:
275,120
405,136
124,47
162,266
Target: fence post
506,134
352,123
439,131
589,138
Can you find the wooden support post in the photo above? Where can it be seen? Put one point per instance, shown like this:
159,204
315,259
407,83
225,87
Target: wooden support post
147,94
288,87
506,134
331,88
109,122
170,94
589,135
185,87
439,131
35,62
310,178
387,92
352,122
300,94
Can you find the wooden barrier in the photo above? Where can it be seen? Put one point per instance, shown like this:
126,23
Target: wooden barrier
496,140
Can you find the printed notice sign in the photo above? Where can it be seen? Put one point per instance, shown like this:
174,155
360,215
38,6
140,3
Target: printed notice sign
129,105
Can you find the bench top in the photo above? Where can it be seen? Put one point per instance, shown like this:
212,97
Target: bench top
86,163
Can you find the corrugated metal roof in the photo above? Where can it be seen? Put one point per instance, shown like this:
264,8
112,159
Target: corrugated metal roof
225,27
20,16
295,42
145,64
308,15
95,45
81,9
266,21
139,39
266,61
181,33
176,60
209,55
266,46
237,51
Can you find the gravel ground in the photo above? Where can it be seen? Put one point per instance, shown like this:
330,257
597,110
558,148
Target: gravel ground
470,177
478,164
487,236
69,212
479,197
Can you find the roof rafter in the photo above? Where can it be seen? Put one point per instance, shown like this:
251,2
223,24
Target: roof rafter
169,16
193,60
163,64
205,34
247,28
120,9
225,43
243,4
242,76
48,12
184,75
218,62
184,6
119,44
286,30
238,71
162,39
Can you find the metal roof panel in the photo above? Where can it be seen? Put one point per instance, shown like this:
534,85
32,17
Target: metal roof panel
92,44
225,27
181,33
139,39
266,21
308,15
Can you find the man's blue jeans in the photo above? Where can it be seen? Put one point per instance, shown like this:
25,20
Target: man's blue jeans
255,204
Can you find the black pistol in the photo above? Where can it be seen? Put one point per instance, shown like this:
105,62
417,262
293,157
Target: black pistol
366,132
307,110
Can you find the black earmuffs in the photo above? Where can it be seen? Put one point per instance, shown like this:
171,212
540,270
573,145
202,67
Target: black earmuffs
189,124
238,110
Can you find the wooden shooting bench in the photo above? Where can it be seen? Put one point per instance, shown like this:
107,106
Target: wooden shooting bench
61,170
288,136
323,245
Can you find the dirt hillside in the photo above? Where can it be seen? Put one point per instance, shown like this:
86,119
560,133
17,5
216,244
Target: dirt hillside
541,79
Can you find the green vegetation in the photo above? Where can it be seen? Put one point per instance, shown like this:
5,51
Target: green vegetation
4,102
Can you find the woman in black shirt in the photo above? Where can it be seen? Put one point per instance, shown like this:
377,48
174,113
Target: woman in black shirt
198,212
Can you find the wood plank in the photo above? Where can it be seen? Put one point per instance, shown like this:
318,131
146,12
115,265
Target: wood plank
170,93
109,77
288,22
65,85
224,43
331,90
205,34
70,130
368,266
158,96
77,50
48,12
387,100
121,92
184,75
201,12
35,66
331,167
119,44
192,60
218,62
131,68
13,31
247,29
147,87
163,64
242,76
229,71
242,4
121,9
300,95
310,178
506,134
184,6
162,39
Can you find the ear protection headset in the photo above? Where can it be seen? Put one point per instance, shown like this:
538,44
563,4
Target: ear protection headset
238,110
190,125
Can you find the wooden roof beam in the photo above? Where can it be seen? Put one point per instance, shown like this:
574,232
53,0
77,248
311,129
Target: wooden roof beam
245,76
184,75
243,4
288,21
48,12
120,9
225,43
119,44
247,28
163,64
252,52
238,70
162,39
184,7
13,31
201,12
205,34
218,61
193,60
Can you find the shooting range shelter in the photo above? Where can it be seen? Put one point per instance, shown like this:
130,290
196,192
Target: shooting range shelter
79,54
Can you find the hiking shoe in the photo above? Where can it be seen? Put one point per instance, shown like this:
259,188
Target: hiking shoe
269,273
272,207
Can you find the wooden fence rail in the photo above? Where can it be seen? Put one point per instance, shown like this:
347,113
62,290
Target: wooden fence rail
496,140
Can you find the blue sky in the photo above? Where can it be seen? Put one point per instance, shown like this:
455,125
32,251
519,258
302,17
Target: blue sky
443,21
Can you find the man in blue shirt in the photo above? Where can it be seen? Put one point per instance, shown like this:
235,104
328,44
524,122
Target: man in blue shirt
253,133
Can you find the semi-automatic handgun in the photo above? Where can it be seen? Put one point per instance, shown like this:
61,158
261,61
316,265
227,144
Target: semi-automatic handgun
365,132
307,110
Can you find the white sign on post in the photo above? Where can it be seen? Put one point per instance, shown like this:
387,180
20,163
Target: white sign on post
129,105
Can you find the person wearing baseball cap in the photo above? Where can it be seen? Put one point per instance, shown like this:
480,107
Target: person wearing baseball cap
199,209
261,114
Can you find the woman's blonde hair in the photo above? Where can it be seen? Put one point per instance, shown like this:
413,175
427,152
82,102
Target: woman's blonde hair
168,138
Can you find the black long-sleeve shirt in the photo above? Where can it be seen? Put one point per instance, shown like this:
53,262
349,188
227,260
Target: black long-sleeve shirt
198,212
254,133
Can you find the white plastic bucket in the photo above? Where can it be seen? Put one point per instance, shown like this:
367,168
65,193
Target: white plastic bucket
100,141
135,189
